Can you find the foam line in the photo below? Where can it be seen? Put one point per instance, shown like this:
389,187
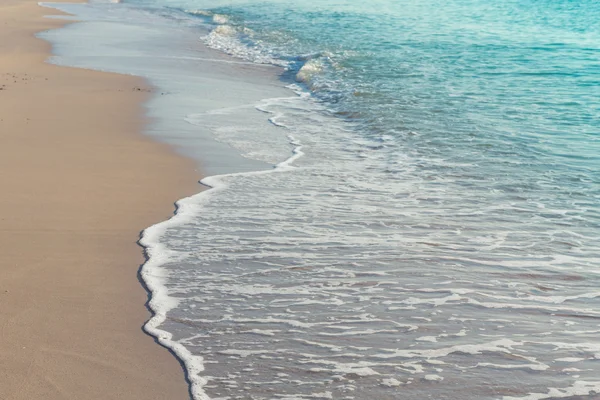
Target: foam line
157,255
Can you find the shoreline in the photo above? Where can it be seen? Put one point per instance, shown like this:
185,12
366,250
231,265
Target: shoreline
83,183
108,44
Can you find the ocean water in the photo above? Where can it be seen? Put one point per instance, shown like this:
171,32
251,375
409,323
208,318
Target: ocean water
404,196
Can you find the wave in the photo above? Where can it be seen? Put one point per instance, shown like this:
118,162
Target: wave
308,71
242,42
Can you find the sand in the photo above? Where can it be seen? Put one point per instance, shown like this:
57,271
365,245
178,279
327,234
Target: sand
78,182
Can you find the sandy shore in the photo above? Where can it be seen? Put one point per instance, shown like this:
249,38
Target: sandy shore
78,183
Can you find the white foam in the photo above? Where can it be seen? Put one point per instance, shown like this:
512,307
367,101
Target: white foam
226,38
431,339
534,367
562,299
359,368
321,395
225,30
570,359
161,303
435,302
579,388
309,70
263,332
498,346
154,276
319,344
359,332
516,306
391,382
547,299
246,353
220,19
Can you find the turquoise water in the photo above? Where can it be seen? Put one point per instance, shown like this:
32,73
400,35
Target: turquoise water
499,83
504,92
426,223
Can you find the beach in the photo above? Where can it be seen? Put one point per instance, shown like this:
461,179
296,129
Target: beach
402,203
79,182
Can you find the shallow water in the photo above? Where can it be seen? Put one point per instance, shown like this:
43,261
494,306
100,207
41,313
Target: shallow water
418,216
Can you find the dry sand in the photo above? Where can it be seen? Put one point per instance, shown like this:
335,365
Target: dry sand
77,184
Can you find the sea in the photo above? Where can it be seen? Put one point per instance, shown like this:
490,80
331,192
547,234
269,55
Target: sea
402,198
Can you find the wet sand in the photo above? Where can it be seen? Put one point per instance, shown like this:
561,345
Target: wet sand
78,183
